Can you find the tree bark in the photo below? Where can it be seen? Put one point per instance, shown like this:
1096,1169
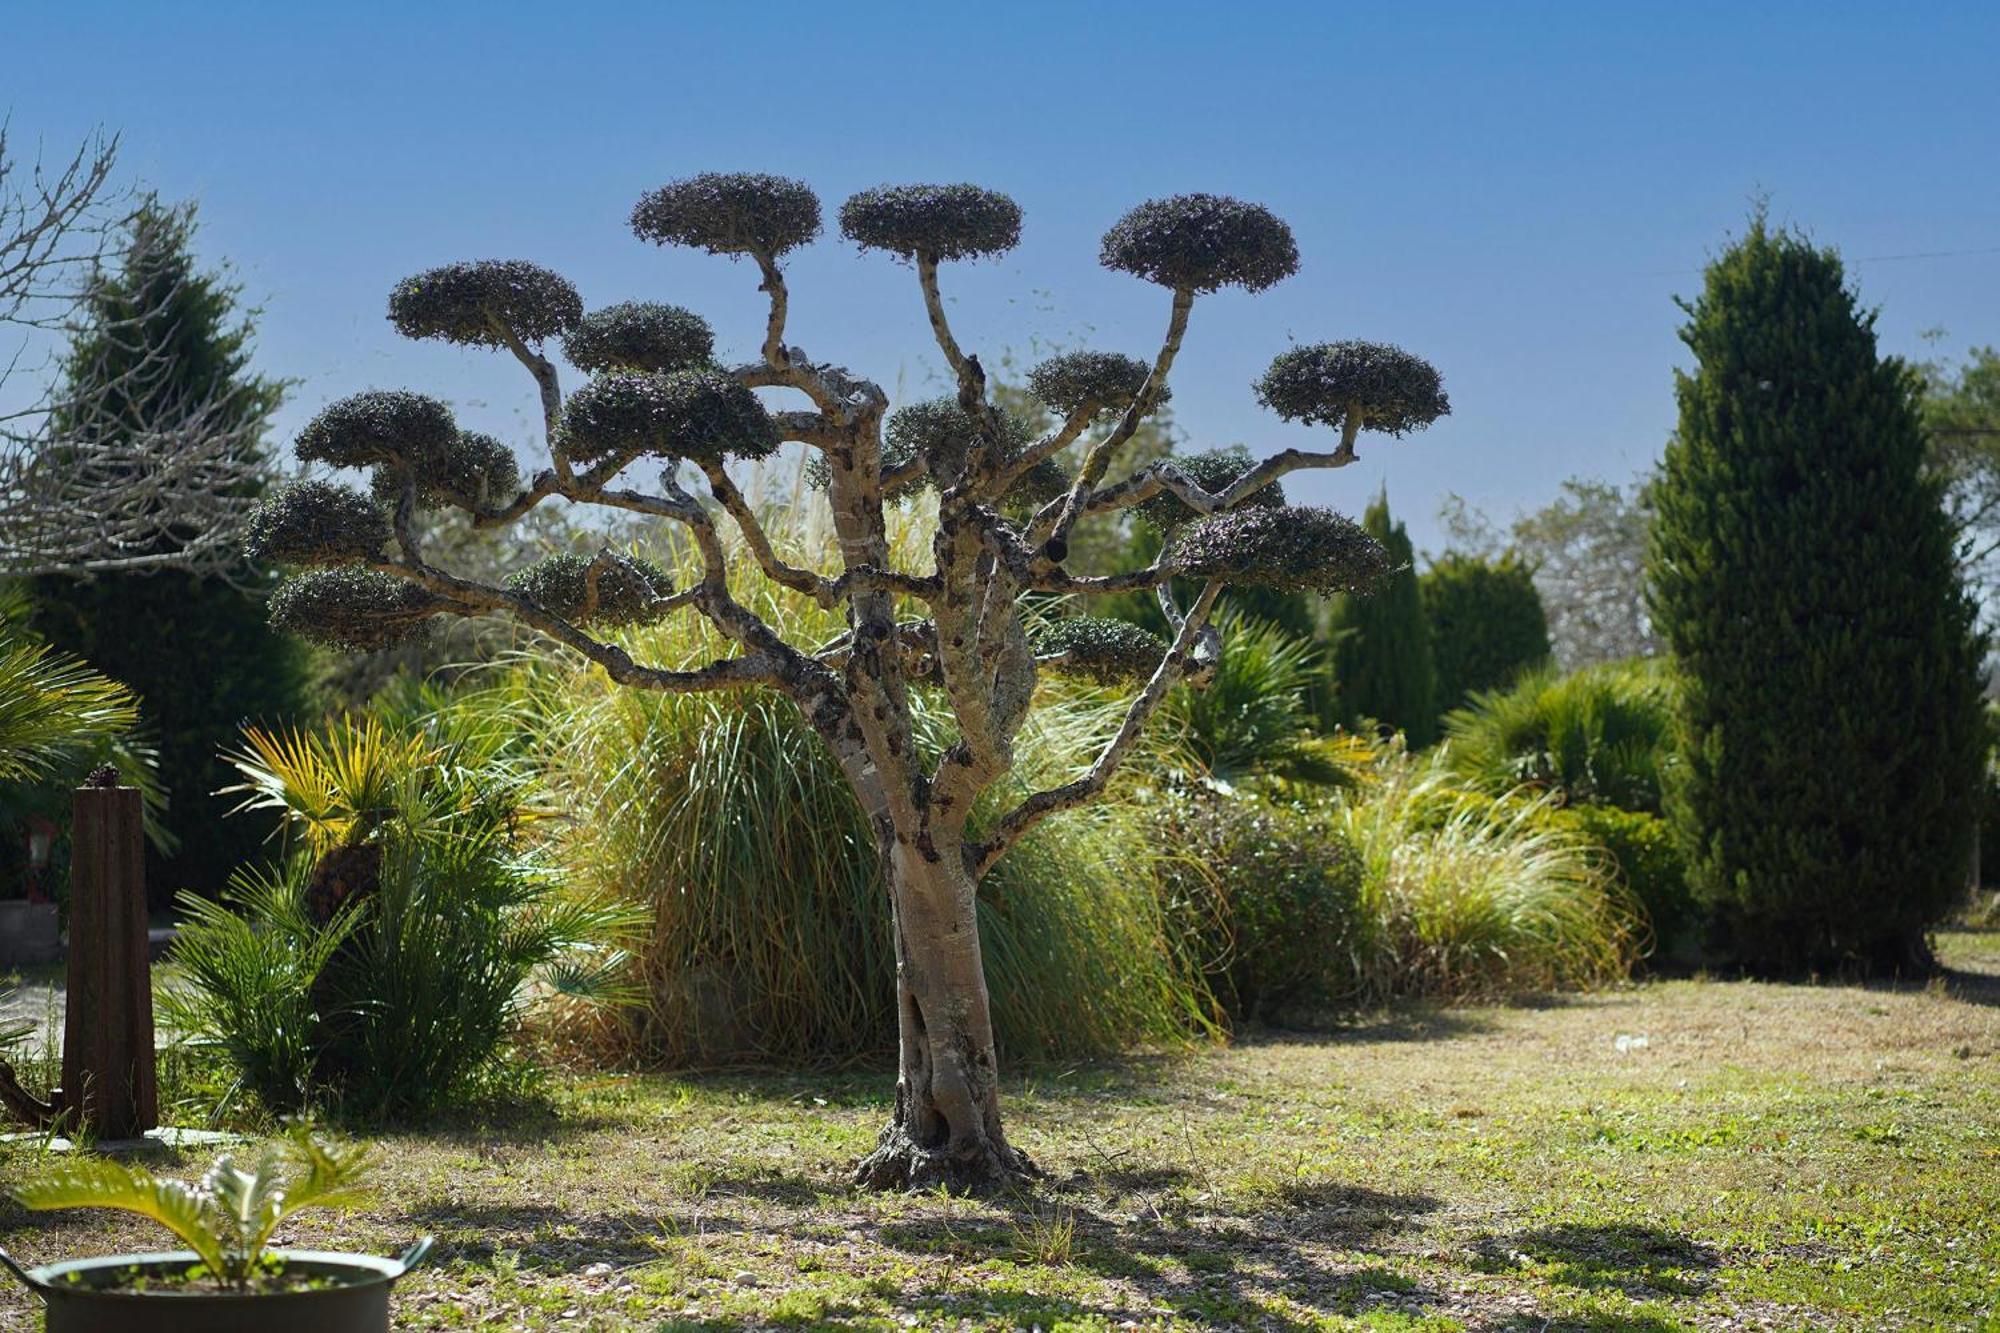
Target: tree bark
946,1127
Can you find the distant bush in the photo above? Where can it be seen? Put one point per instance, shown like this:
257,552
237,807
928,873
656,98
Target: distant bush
1597,736
1267,899
1487,624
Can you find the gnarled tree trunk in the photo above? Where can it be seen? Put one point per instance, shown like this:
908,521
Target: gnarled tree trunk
946,1128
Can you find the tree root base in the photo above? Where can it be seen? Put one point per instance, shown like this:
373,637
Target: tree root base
976,1166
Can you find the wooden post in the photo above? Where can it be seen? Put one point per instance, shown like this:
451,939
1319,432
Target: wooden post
108,1072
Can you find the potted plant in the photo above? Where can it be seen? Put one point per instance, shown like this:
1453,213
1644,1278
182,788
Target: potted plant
229,1277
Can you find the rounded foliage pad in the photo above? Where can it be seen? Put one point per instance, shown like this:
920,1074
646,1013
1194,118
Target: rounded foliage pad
475,472
381,426
942,221
629,590
360,610
460,302
1213,470
1106,650
1075,380
1202,242
743,213
701,414
639,335
1394,391
1292,548
316,523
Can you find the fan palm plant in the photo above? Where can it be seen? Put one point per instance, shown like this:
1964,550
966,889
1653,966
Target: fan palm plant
229,1215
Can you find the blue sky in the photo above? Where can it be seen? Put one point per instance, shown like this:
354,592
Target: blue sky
1516,192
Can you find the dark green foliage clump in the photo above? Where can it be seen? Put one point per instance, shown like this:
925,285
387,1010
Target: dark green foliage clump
1214,470
700,415
1075,380
1108,651
1289,547
629,590
1268,899
941,221
742,213
1202,242
392,426
1596,736
356,610
1382,642
461,303
943,434
1802,569
1394,392
317,523
1487,624
639,335
474,472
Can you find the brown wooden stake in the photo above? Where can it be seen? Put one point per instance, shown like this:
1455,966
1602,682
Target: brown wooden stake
108,1071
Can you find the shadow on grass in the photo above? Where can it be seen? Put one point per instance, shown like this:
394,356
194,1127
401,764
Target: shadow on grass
1638,1261
544,1238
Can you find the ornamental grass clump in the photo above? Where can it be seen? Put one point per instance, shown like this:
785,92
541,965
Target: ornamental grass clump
1466,897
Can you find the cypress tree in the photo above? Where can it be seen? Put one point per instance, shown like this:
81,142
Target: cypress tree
159,337
1802,572
1382,642
1487,623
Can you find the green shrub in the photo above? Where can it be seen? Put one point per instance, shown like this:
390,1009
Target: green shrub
1487,624
1650,864
1597,736
379,968
1266,899
1466,896
1253,721
1805,575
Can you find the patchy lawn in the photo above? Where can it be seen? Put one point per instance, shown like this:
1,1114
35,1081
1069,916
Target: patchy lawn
1675,1155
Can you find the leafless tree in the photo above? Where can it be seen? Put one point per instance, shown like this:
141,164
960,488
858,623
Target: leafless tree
87,486
956,627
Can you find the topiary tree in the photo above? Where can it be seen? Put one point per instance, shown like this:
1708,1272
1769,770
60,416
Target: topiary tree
1382,643
1802,571
656,395
1487,623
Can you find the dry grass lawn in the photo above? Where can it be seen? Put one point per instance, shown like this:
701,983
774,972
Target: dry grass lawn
1681,1154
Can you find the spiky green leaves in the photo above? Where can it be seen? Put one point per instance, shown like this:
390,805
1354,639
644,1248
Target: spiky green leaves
640,335
463,303
743,213
317,523
390,426
1076,380
699,414
1214,470
608,589
1291,548
1108,651
474,472
1393,391
359,610
941,221
1202,242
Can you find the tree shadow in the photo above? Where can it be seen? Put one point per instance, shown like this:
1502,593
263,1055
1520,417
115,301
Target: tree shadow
545,1238
1226,1263
1637,1260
